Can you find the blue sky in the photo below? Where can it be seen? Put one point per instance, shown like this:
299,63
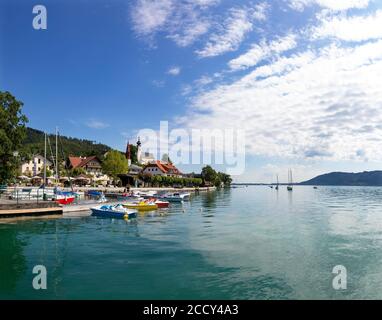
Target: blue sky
300,76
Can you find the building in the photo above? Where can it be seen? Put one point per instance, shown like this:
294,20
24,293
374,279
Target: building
132,177
35,166
161,168
91,165
145,157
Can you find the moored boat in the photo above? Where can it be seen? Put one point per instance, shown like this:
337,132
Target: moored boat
141,206
160,203
175,197
290,180
113,211
145,195
64,199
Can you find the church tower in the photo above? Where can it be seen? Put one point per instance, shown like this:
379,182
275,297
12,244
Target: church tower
128,153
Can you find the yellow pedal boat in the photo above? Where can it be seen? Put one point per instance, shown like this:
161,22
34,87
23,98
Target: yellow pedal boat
141,206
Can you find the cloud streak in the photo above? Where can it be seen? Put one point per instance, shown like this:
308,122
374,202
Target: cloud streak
234,30
261,51
97,124
354,28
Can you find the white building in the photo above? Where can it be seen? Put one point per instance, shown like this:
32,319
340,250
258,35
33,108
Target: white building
35,166
160,168
145,157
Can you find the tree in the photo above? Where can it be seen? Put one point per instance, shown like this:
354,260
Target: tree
209,174
48,173
225,179
12,135
114,164
218,181
75,172
134,154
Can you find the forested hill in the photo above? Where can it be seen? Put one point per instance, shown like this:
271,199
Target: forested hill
34,143
367,178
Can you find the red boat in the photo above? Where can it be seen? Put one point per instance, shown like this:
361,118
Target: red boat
64,199
160,203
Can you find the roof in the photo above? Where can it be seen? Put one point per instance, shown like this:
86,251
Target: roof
75,161
165,167
134,167
78,162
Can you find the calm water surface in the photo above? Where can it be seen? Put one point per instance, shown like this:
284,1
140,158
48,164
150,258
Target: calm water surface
244,243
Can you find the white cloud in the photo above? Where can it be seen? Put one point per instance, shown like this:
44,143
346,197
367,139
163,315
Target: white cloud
190,33
181,21
150,15
233,31
260,10
174,71
335,5
355,28
323,104
264,50
96,124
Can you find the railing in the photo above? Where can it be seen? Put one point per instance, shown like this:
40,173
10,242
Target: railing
17,195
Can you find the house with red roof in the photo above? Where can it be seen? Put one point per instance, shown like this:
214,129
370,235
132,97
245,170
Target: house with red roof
91,165
161,168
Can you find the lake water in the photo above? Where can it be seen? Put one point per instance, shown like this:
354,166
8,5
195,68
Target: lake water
244,243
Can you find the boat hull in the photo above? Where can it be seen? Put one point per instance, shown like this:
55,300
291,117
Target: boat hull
66,200
113,214
141,207
162,204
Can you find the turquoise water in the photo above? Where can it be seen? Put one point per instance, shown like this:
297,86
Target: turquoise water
244,243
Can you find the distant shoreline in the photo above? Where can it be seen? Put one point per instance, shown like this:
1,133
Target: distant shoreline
305,184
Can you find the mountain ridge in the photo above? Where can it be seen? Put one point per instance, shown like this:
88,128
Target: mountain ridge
365,178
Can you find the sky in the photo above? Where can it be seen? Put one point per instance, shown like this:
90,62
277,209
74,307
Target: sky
302,78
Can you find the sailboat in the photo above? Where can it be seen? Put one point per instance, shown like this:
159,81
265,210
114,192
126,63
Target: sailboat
290,180
60,197
277,184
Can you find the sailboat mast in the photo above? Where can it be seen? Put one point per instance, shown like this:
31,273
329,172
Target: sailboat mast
45,160
57,154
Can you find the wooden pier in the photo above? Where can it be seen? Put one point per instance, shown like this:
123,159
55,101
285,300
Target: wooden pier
32,209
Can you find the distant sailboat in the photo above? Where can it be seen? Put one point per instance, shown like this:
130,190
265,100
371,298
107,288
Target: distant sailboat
290,180
277,184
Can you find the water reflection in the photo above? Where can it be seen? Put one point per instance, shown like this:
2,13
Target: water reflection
12,259
248,243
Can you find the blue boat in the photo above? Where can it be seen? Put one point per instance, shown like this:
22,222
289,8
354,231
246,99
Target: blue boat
94,193
114,211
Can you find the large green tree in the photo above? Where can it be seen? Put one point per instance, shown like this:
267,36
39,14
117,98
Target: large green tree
115,163
225,178
12,135
209,174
